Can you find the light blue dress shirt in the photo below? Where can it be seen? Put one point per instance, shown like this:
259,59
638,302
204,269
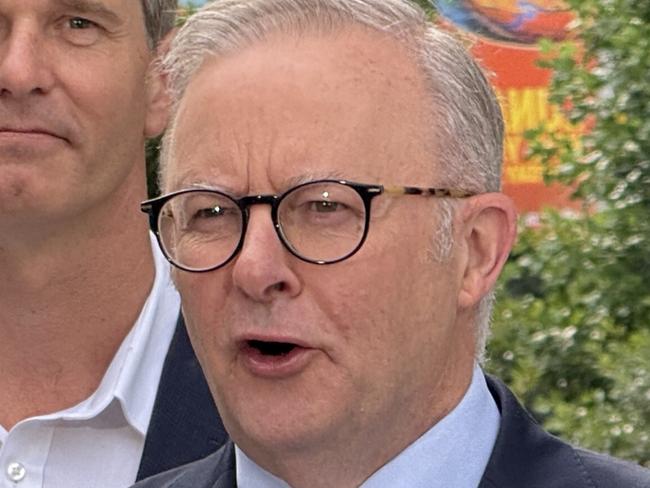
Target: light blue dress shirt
453,453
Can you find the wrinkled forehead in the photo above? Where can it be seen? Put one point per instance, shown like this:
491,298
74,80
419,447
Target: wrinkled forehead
349,103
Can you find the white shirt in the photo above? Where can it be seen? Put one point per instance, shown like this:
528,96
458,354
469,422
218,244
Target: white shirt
98,443
453,453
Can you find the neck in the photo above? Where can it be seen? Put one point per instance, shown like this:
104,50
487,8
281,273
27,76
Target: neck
67,300
350,458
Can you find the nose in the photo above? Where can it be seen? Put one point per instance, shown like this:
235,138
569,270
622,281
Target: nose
261,269
24,64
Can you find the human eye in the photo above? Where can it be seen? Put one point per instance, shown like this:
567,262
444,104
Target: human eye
320,205
80,31
209,213
205,214
80,23
324,205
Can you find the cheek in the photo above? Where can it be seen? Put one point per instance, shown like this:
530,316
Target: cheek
388,299
115,99
368,299
202,303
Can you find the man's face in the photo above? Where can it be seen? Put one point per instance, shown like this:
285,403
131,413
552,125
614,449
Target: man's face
74,105
371,338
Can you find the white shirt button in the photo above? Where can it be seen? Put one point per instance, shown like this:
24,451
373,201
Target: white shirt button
16,472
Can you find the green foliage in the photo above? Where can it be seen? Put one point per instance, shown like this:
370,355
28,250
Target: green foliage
571,330
427,5
188,9
567,340
152,149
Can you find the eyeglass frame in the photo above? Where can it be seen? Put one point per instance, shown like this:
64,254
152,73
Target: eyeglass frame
152,207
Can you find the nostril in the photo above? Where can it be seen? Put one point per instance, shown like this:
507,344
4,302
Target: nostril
281,286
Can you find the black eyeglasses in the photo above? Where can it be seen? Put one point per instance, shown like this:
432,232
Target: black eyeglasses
320,222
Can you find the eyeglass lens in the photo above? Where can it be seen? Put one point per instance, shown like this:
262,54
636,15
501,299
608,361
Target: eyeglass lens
319,222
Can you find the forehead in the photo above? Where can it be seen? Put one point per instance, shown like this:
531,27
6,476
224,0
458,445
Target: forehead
351,104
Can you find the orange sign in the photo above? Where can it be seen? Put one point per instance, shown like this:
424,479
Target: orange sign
505,33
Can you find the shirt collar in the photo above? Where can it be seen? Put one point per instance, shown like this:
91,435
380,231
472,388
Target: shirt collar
132,377
454,452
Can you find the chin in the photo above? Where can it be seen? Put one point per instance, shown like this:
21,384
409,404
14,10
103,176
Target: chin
287,424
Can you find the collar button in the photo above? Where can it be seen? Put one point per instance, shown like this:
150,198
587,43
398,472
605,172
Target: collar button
16,472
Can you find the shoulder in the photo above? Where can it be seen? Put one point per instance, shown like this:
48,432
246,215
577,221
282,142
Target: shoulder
214,471
606,471
526,455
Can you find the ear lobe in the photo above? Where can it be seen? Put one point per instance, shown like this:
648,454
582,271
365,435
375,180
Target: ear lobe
489,233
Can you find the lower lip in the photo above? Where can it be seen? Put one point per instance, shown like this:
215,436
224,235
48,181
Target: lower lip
276,367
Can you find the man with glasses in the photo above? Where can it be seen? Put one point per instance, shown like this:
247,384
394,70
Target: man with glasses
333,214
99,385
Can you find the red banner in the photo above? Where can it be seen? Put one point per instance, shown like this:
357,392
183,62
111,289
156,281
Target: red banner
505,35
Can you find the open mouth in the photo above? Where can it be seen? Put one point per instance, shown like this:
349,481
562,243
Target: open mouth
271,348
275,359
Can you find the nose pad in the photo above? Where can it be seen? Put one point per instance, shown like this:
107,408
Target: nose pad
262,268
24,64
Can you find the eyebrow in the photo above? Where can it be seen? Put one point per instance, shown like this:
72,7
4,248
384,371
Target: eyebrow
92,7
202,184
313,176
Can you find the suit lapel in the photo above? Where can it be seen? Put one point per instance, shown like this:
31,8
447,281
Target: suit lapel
524,454
185,425
226,464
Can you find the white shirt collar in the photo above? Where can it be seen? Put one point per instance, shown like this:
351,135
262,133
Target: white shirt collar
137,384
454,452
132,377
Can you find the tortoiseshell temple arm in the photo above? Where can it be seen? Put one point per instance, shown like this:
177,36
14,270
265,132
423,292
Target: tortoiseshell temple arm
434,192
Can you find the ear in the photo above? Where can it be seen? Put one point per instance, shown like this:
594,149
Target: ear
157,97
488,234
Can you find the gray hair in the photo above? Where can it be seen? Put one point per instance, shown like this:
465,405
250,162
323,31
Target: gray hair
159,18
465,112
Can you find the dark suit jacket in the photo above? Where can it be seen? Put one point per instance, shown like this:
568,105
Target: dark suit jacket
185,425
524,456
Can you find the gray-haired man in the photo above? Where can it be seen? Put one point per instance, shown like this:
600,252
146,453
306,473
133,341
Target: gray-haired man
87,310
333,212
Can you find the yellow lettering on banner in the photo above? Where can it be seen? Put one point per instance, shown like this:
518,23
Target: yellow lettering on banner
524,173
559,123
514,144
523,109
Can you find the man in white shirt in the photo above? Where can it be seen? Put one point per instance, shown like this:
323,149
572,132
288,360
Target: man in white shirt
332,209
87,310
